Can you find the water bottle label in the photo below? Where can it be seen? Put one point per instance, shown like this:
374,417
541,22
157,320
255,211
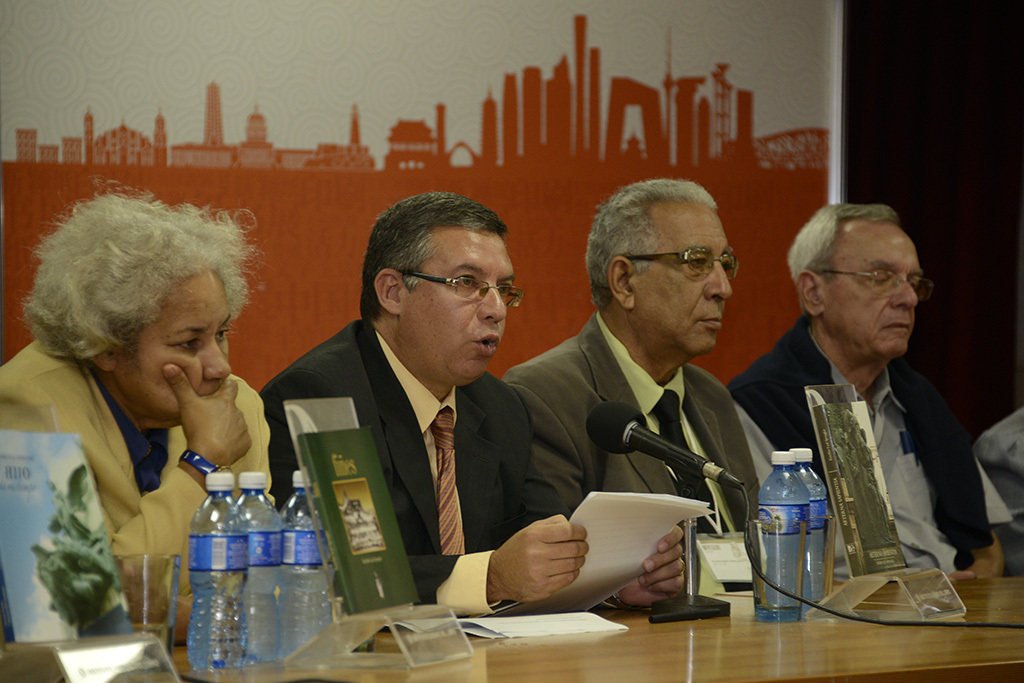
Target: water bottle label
264,548
785,519
218,553
819,508
300,548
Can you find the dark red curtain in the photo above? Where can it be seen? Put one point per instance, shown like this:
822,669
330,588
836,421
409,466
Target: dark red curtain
934,112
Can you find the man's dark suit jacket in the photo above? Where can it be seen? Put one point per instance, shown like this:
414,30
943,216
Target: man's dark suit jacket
500,492
562,385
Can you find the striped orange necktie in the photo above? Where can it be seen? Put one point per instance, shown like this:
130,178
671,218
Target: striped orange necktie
449,522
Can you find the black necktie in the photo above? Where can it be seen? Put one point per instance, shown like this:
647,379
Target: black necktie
669,418
687,484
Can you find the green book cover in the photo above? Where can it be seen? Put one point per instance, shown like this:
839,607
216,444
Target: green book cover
856,485
352,502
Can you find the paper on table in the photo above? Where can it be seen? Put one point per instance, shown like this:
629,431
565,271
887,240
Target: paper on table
542,625
623,530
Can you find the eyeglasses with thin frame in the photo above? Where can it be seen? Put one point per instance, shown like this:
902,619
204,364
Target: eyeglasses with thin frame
470,288
885,282
698,259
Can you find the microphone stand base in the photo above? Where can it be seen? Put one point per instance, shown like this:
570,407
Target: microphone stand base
687,607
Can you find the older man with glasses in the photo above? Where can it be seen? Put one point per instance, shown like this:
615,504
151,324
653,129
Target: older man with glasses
859,282
660,270
437,286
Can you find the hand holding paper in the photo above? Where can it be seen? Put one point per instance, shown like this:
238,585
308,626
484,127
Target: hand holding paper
537,561
622,531
662,577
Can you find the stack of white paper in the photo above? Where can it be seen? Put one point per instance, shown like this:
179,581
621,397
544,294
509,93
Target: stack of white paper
623,530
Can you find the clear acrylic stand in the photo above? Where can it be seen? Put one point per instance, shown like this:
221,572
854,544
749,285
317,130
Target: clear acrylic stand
29,661
923,595
425,634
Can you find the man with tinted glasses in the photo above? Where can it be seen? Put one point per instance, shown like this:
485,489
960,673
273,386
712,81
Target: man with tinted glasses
660,270
437,285
859,282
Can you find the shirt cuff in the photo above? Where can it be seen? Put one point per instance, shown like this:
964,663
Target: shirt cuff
465,589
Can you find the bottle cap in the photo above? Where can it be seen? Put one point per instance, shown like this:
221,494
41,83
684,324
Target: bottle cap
223,480
782,458
248,481
299,481
802,454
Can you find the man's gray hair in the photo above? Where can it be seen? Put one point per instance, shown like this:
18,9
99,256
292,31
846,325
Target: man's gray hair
623,226
815,244
107,269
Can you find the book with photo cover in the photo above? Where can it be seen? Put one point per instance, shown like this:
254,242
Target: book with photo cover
58,578
856,486
353,506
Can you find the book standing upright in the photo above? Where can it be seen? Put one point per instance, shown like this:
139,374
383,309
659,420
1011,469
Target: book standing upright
860,502
58,575
372,582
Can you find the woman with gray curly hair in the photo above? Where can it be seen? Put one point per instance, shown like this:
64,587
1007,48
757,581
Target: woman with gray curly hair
130,310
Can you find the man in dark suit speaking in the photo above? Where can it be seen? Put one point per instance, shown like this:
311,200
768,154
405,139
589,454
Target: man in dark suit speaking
479,523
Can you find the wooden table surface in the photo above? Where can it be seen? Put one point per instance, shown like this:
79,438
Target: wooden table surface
734,648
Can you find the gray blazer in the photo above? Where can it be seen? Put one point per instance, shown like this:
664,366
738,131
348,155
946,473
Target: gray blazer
562,385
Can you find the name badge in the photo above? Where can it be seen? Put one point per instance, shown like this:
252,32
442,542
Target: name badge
726,557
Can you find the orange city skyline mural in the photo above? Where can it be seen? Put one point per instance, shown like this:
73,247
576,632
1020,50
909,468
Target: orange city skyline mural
549,149
536,125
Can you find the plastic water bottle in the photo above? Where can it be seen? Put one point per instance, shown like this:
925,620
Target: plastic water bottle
217,558
814,577
783,502
263,525
305,607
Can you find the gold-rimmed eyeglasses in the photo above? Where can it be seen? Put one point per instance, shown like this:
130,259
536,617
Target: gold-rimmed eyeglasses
698,259
885,282
470,288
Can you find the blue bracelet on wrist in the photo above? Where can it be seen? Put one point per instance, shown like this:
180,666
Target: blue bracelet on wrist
199,462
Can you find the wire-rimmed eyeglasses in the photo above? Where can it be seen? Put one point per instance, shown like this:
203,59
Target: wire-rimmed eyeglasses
698,259
885,282
475,290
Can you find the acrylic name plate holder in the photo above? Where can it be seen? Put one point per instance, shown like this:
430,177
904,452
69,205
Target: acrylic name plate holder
863,513
919,595
425,634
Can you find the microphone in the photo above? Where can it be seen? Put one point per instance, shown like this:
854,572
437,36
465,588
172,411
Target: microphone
620,428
